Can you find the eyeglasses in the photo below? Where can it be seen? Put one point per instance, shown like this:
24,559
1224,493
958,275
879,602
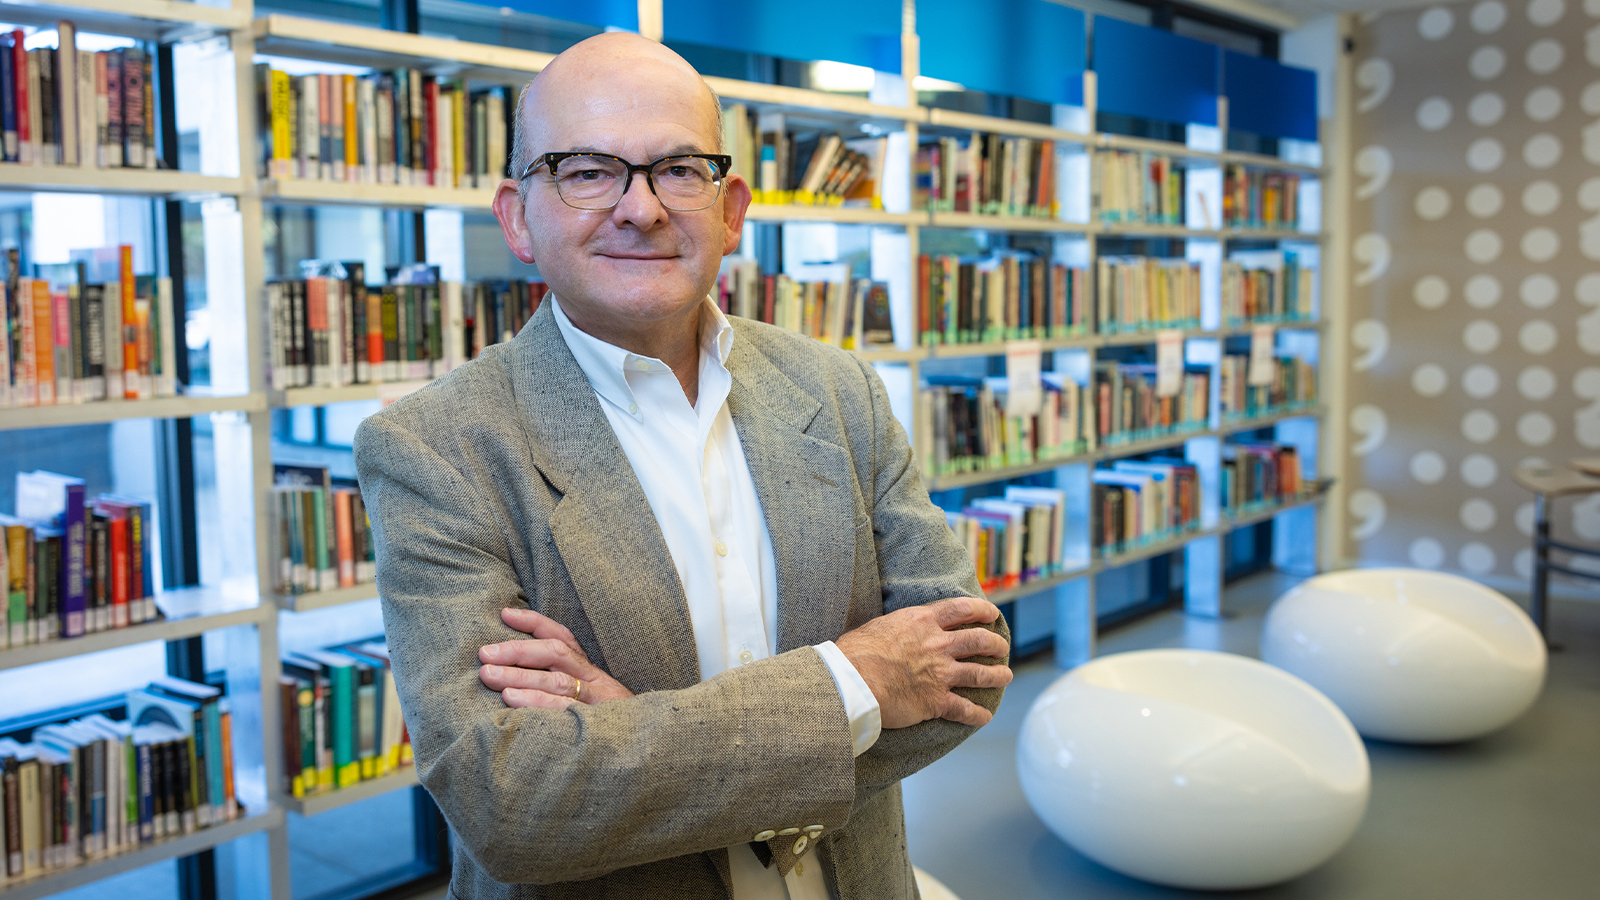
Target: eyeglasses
597,181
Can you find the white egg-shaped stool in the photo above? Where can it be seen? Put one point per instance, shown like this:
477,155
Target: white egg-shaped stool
1193,768
1409,655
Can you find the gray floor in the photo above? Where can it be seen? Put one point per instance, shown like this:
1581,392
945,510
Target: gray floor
1513,815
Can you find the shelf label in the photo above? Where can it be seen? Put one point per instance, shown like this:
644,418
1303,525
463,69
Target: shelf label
1169,363
1263,366
1024,385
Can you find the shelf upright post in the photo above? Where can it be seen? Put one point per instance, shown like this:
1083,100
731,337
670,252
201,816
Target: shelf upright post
910,64
253,268
650,19
1333,353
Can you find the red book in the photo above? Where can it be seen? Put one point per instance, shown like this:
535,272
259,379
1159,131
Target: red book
344,540
19,64
117,516
375,333
430,149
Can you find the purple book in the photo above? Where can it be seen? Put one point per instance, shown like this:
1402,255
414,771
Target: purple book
58,501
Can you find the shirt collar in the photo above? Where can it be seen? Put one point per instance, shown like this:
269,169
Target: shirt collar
606,365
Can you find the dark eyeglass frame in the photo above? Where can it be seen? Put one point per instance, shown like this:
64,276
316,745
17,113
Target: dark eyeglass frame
722,161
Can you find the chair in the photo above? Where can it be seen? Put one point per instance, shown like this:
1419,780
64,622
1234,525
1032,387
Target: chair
1408,654
1549,484
1193,768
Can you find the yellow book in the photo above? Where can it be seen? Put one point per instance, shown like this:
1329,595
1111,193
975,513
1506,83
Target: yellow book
458,134
352,133
350,773
282,101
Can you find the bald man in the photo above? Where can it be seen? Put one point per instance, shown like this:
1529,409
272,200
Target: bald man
671,614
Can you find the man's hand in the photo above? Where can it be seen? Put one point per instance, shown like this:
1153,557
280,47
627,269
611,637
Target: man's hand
550,671
911,658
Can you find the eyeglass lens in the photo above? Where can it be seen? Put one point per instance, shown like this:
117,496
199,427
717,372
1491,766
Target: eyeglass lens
595,182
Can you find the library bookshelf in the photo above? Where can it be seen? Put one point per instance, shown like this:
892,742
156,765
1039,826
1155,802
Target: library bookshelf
1061,607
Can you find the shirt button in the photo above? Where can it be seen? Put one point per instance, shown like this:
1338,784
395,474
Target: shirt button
767,835
642,366
800,844
799,867
746,657
788,831
633,408
722,549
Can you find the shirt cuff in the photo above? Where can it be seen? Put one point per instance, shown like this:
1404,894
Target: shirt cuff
859,704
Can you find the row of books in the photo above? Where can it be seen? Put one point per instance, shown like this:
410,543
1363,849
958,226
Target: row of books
93,332
785,162
96,786
1131,187
1260,476
71,566
1256,199
1129,407
1005,296
852,313
1266,286
1143,293
62,106
986,174
401,127
1015,538
333,329
341,718
1138,502
1293,387
966,428
322,539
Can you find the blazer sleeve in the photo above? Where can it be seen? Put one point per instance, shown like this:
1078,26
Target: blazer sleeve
919,561
547,796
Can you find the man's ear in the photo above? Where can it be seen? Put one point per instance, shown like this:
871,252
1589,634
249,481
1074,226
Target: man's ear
735,202
509,210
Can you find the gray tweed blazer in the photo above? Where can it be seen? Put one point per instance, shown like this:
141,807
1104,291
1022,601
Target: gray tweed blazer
502,483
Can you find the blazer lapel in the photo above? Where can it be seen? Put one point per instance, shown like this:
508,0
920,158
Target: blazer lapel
602,527
804,485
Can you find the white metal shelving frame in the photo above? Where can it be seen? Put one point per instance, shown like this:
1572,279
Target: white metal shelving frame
195,611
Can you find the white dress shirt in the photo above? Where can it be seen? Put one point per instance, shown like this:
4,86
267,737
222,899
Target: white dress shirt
716,535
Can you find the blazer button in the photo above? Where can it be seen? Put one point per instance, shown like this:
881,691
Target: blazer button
814,830
788,831
800,844
767,835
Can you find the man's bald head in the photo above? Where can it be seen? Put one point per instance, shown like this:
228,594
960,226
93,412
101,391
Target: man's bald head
598,66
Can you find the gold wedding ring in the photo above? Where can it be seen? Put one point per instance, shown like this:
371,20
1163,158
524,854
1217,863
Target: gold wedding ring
578,688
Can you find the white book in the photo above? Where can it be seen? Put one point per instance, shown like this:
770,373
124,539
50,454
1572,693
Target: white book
278,331
167,381
310,129
455,323
88,112
366,107
443,128
67,92
383,124
35,114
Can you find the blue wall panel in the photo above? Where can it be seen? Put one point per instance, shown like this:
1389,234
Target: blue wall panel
601,13
1154,74
861,32
1020,48
1269,98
